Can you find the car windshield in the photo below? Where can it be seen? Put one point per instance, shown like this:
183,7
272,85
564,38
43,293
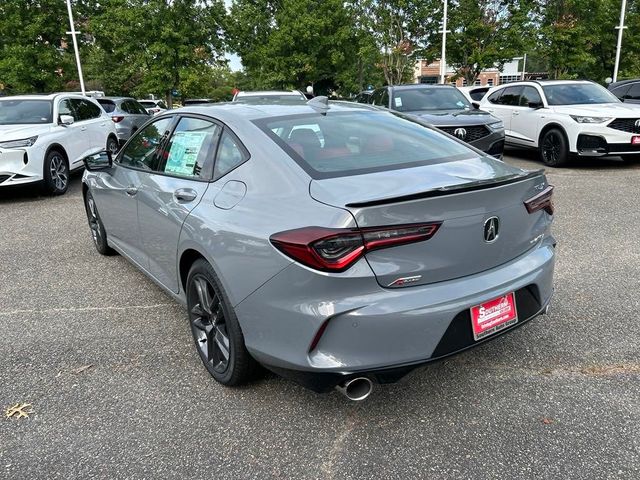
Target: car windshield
350,143
407,100
22,112
271,99
577,94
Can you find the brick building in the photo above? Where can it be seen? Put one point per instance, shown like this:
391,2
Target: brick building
426,72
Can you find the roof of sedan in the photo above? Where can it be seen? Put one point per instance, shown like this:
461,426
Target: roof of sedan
253,112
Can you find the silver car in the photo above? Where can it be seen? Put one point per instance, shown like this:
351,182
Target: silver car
336,244
127,115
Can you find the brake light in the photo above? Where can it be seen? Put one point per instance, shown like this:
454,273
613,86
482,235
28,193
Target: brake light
542,201
117,118
337,249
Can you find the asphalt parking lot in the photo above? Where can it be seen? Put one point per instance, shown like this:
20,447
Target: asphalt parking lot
117,390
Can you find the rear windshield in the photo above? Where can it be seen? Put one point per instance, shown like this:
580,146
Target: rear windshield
271,99
147,104
578,94
22,112
407,100
351,143
108,105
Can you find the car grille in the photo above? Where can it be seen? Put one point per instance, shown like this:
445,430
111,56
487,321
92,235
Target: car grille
472,132
626,125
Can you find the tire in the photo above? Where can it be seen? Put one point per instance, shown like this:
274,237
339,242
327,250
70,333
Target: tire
98,233
554,148
112,145
215,329
56,173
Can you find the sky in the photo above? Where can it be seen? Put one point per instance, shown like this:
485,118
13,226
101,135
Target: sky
234,61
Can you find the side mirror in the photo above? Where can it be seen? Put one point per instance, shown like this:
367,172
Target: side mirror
536,105
98,161
65,120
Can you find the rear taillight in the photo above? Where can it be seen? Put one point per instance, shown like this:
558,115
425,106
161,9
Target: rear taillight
117,118
335,250
542,201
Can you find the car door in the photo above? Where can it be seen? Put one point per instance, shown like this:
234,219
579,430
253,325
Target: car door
74,137
167,196
501,104
96,125
117,194
526,117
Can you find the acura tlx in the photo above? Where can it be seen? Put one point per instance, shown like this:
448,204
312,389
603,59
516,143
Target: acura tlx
334,243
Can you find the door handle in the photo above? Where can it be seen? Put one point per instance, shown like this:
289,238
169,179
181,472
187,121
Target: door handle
185,195
516,113
83,128
131,191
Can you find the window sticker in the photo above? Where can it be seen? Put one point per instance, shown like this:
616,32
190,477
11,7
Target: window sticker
183,156
398,101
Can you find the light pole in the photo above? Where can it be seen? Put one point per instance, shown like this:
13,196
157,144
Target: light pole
524,66
619,28
443,60
73,34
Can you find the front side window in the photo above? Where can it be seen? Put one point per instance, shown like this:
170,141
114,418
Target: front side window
621,91
529,95
495,97
436,98
191,148
66,107
578,94
25,112
143,150
359,142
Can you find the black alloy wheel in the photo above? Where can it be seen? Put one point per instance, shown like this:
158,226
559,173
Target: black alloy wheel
112,146
98,232
56,173
215,328
554,151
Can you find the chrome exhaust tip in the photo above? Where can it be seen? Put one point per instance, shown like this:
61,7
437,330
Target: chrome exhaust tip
356,389
545,310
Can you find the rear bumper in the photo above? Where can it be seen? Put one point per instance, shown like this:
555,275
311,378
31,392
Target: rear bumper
365,329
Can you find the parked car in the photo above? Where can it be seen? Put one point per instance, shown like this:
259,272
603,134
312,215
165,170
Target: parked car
627,91
153,107
337,244
197,101
364,97
564,118
270,97
446,108
127,115
45,137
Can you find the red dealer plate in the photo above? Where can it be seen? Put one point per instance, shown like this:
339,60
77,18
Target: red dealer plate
492,316
635,140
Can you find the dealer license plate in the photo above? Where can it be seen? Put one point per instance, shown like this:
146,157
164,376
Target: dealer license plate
492,316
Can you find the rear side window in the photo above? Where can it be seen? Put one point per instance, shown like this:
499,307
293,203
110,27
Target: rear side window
633,93
350,143
191,148
231,154
510,96
85,109
108,105
620,91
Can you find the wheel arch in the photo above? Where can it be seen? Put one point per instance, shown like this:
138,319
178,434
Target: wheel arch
59,148
187,259
551,126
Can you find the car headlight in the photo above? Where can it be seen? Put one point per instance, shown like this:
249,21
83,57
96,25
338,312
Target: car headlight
499,125
25,142
581,119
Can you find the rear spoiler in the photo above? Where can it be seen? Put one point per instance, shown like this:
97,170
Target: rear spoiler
442,191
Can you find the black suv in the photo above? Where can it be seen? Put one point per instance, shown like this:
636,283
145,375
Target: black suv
627,91
446,108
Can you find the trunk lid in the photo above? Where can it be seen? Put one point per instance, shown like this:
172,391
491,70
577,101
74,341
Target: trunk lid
462,195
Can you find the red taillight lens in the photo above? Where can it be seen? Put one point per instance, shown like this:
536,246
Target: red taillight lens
335,250
542,201
117,118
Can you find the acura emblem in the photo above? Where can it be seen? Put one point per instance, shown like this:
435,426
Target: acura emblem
491,229
461,133
637,125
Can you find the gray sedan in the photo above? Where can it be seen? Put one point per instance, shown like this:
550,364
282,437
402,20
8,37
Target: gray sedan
336,244
127,114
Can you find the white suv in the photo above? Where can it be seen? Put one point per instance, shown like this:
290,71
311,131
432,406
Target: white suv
45,137
562,118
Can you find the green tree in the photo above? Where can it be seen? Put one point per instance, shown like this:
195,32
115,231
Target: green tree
487,33
33,54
